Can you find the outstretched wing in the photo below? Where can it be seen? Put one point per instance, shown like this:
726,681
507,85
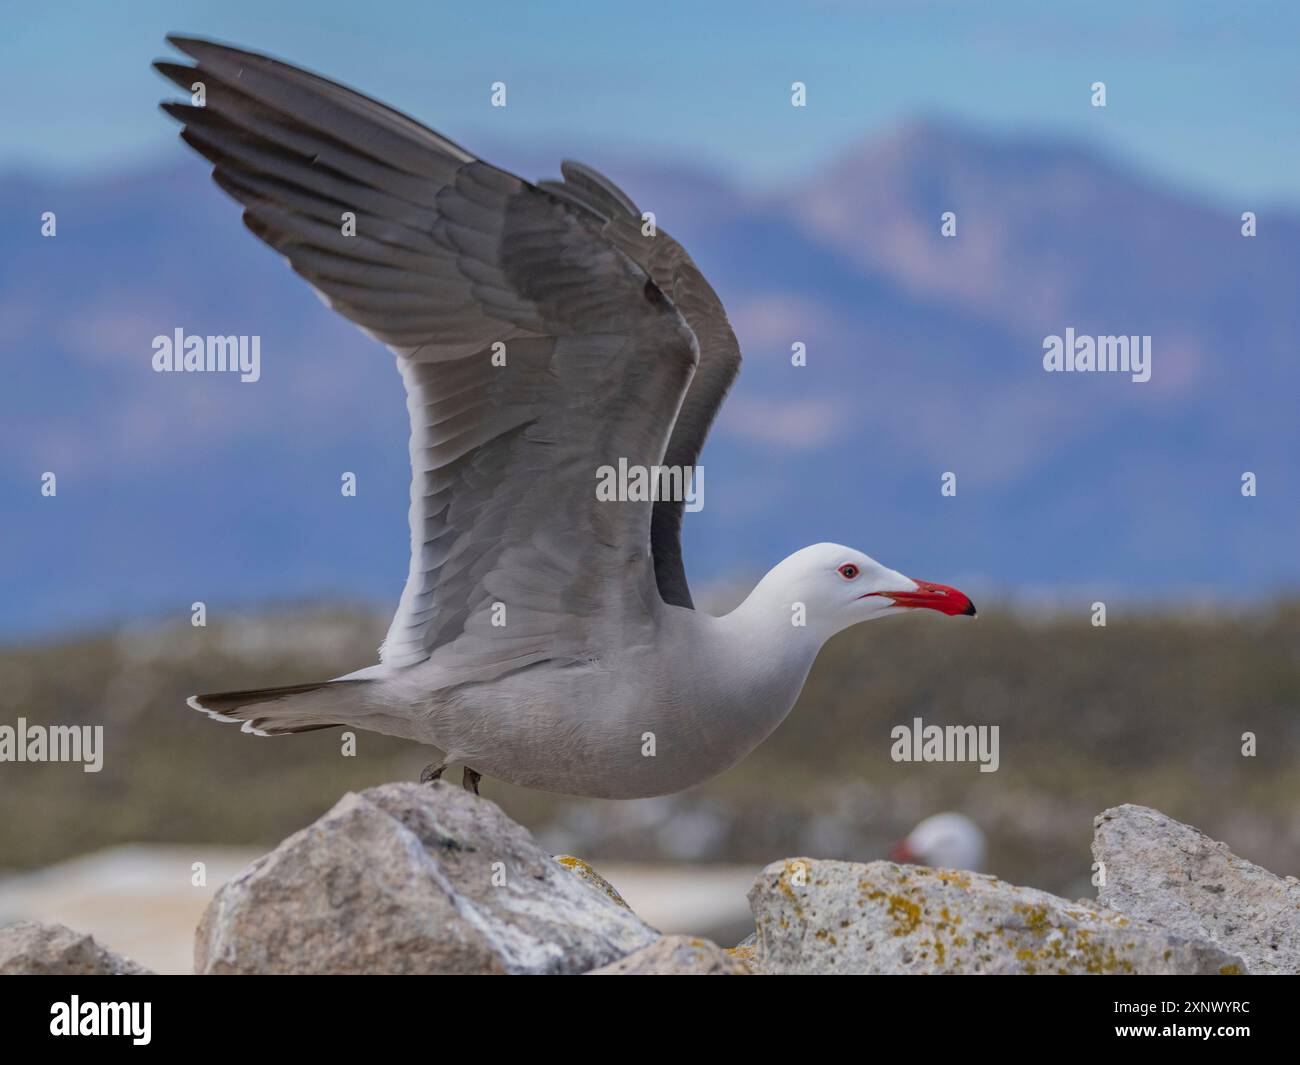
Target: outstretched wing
680,279
534,351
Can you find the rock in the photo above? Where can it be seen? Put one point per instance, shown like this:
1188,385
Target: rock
1160,870
842,917
30,948
412,878
677,956
746,952
584,872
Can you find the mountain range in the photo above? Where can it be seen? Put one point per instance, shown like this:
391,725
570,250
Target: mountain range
924,357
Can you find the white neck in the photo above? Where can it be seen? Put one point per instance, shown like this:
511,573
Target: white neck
772,640
741,673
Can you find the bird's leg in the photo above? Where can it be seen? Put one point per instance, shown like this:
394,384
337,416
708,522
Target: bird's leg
431,773
469,781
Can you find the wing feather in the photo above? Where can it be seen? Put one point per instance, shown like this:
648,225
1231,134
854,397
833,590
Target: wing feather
677,276
534,350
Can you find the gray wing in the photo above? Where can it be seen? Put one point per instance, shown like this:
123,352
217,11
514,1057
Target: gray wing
680,279
534,351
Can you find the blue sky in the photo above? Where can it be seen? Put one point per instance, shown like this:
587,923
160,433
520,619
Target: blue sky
1204,95
1201,98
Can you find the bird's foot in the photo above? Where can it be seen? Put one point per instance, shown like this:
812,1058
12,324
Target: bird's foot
469,781
432,773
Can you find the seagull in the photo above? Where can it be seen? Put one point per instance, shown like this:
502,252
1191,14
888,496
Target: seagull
546,636
943,841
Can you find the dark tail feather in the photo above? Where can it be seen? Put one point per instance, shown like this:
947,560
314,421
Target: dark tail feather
281,711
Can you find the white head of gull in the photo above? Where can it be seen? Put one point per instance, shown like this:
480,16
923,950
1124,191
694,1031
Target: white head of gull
545,636
943,841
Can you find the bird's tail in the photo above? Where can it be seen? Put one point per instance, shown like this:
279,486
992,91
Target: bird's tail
281,711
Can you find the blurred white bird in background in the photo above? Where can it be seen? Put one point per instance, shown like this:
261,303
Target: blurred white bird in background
945,841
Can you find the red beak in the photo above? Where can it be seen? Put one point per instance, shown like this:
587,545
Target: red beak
902,853
933,597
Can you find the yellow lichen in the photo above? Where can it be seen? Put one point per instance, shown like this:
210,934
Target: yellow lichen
748,955
906,913
583,871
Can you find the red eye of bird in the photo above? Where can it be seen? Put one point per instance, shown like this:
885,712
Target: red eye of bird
849,571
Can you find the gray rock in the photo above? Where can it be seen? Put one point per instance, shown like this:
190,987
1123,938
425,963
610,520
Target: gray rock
678,956
1160,870
31,948
412,878
842,917
584,872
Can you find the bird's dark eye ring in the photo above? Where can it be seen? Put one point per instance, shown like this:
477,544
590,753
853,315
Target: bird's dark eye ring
849,571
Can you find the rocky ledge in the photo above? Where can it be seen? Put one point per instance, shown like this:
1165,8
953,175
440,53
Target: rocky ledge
409,878
36,949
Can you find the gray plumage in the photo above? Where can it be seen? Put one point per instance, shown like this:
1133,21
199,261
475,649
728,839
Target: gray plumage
540,336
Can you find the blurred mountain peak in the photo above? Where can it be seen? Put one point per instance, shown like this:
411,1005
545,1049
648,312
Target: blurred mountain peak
924,356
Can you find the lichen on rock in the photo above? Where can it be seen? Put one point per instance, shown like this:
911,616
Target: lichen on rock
413,878
679,956
843,917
